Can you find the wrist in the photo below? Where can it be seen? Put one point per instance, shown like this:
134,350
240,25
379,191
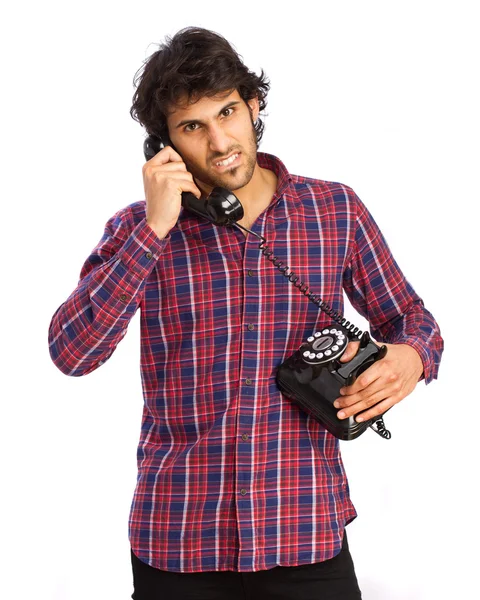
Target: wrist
161,230
416,358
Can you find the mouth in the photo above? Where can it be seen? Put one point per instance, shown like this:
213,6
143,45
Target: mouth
232,160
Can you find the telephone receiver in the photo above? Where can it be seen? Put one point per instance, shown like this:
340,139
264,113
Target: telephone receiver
221,207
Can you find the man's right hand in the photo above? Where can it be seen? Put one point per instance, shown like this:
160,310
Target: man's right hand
165,177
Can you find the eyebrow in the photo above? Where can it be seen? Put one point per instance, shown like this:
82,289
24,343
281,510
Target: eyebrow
197,121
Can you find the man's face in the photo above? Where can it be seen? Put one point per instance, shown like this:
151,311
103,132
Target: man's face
216,138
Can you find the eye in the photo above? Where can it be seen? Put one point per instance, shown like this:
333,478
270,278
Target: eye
191,127
227,112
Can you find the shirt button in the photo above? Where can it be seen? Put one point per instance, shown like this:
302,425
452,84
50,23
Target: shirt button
250,273
148,255
244,437
243,491
123,297
251,327
248,381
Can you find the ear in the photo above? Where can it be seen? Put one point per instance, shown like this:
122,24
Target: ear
254,108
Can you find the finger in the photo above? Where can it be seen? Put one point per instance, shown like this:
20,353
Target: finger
187,185
169,167
165,173
180,183
367,403
154,171
365,379
378,409
349,400
350,351
166,155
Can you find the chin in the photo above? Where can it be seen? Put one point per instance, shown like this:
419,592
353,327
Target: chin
234,180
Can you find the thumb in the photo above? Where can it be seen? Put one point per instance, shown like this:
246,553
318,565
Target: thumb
350,351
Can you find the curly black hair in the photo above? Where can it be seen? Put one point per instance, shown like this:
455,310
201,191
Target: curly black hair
194,63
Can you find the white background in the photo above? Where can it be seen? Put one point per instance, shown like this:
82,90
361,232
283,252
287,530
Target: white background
382,96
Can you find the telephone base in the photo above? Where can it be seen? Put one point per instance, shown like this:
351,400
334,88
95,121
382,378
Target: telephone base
313,376
310,399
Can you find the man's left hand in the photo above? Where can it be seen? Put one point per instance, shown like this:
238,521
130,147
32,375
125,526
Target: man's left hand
382,385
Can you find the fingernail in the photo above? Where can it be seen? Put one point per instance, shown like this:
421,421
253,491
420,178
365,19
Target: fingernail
359,419
341,414
336,404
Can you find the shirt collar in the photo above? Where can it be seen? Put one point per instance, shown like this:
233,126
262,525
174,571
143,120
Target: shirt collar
285,186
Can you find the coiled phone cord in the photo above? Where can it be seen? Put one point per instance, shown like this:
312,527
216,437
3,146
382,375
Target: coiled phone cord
353,331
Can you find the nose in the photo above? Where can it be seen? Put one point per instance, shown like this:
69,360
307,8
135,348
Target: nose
218,140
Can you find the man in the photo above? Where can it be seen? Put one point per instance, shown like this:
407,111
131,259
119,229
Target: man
240,494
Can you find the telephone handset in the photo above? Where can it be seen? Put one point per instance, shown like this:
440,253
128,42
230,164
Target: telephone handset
313,376
222,207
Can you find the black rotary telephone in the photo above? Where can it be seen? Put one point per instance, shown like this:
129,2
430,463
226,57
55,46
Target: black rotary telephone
313,376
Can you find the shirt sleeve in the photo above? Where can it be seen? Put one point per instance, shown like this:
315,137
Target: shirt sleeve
85,330
377,288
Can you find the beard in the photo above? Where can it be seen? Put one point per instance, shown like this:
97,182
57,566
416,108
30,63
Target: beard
236,177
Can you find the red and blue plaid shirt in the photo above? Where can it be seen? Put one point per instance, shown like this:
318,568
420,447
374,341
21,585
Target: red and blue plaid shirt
232,475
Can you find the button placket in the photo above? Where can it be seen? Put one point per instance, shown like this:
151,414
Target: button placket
248,369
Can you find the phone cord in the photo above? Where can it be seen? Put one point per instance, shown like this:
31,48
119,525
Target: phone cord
353,332
378,424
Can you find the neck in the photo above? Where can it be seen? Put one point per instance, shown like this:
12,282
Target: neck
256,195
258,185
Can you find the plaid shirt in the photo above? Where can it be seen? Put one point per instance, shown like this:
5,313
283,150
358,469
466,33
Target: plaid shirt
232,475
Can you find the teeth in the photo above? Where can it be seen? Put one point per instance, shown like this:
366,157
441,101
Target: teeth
228,161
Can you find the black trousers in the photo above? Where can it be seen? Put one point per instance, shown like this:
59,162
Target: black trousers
332,579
